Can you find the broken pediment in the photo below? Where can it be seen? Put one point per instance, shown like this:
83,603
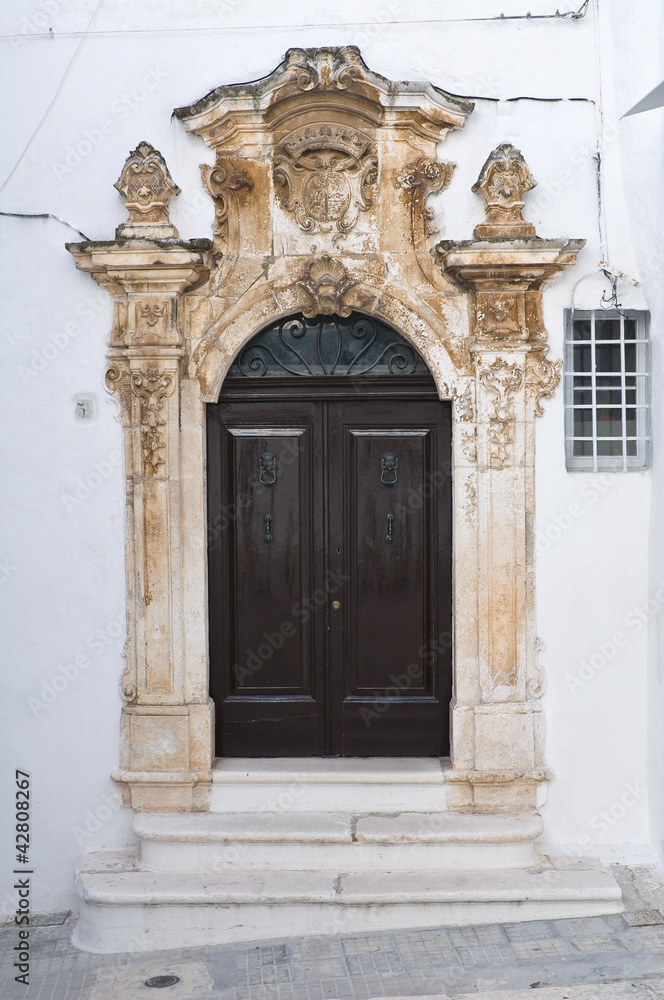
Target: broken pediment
324,83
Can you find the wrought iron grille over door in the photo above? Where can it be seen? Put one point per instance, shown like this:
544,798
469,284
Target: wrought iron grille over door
328,345
330,546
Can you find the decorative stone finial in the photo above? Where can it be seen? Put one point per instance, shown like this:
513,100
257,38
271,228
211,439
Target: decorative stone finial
503,181
148,187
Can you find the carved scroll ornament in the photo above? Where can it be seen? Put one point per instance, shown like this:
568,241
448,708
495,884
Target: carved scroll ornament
501,379
543,377
223,181
324,69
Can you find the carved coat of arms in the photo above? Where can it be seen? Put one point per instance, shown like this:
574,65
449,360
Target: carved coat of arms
323,175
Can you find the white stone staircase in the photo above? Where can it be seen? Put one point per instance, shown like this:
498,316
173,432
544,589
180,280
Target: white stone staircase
326,847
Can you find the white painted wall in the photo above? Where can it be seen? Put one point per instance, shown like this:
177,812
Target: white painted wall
78,104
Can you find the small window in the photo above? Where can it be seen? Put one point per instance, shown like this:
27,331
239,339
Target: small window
607,390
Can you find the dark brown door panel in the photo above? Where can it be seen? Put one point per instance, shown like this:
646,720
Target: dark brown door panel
330,569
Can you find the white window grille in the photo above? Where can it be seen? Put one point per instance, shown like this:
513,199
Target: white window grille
607,390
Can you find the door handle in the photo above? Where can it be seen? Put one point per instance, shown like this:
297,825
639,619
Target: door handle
390,522
268,528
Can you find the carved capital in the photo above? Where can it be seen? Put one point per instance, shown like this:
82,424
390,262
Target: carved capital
323,175
148,188
326,282
503,181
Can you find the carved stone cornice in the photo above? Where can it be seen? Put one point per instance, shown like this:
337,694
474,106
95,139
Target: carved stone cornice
309,80
506,278
145,277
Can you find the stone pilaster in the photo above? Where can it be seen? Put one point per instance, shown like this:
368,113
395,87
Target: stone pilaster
499,715
167,732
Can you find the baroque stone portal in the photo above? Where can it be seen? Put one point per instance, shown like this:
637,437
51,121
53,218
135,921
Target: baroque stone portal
322,177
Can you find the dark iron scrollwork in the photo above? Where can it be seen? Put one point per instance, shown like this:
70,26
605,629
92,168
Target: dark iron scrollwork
389,469
328,345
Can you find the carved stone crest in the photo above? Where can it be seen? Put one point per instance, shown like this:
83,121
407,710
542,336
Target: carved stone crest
326,282
323,175
503,181
148,187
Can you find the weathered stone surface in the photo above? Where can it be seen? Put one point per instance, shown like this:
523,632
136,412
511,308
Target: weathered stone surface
322,176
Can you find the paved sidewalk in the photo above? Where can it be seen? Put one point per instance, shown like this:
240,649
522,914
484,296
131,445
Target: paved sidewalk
597,958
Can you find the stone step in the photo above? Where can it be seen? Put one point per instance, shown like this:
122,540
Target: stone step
325,784
124,908
189,842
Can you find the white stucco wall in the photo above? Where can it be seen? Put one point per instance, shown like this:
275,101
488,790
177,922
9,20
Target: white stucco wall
78,106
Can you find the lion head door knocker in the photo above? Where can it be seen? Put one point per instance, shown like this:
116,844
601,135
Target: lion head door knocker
267,464
389,469
267,476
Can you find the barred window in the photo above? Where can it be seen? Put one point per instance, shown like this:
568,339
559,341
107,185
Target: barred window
607,390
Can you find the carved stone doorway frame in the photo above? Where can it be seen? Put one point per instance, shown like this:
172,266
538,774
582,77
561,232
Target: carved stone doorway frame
323,170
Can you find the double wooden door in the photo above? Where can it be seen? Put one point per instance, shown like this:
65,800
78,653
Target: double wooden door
330,572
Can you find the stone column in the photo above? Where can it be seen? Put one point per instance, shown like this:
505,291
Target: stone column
505,269
167,719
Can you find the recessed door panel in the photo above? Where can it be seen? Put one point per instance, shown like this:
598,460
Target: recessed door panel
392,507
267,653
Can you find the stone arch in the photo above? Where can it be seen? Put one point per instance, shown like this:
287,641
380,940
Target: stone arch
422,327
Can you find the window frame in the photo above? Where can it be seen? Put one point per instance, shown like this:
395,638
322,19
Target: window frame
639,383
